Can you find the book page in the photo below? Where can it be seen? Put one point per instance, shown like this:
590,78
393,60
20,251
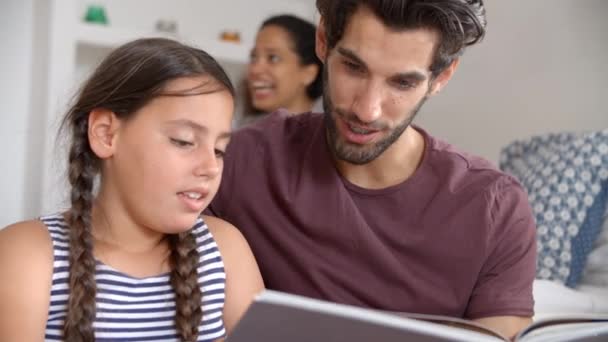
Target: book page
587,332
453,322
276,316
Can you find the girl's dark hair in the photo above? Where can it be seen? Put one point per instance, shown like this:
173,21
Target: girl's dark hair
124,82
302,35
460,23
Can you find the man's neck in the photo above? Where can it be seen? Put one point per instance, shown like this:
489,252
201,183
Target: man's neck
392,167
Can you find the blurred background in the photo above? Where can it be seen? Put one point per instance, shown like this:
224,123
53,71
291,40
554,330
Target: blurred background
542,68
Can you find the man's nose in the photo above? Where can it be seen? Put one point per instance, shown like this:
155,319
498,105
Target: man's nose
368,102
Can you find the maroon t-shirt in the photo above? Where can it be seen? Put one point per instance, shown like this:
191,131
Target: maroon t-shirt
457,238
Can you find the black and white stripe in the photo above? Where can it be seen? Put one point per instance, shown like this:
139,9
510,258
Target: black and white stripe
137,309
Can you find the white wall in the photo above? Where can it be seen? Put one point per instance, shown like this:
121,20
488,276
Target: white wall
72,62
543,67
242,15
16,32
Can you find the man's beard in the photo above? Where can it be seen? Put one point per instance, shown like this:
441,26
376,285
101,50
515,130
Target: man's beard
352,153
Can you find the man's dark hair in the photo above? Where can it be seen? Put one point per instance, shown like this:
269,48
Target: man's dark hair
460,23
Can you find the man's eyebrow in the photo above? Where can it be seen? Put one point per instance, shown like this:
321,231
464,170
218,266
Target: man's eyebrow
348,53
411,75
197,127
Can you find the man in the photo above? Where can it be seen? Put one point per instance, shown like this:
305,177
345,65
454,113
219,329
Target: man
358,206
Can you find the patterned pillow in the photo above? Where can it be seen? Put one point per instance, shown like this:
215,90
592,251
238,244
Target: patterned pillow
566,176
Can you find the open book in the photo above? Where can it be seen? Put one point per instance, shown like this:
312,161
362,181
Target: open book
276,316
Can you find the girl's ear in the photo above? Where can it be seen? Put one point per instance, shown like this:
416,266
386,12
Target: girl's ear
102,133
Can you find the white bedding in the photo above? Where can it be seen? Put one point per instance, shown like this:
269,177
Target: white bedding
554,299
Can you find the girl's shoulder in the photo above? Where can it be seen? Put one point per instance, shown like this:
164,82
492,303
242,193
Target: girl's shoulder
26,255
26,270
243,279
28,244
25,237
223,232
230,241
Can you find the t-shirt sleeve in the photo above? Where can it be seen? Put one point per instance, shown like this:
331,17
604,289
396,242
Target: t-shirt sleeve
504,285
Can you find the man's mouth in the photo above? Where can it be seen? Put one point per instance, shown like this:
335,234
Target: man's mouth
360,130
357,134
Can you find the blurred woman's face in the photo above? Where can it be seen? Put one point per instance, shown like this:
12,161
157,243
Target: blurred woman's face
275,77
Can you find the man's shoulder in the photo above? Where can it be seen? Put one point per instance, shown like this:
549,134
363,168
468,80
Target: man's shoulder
279,127
443,151
462,166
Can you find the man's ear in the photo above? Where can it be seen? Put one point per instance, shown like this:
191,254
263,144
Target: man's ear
442,79
102,133
321,41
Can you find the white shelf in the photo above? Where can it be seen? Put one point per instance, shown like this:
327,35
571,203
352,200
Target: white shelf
98,36
75,48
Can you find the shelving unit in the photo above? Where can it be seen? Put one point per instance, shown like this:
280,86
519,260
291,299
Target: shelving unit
99,36
94,41
76,47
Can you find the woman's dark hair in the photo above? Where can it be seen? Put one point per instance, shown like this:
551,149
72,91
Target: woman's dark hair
460,23
302,35
125,81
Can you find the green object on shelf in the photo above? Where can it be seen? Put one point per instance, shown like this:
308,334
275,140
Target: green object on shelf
96,14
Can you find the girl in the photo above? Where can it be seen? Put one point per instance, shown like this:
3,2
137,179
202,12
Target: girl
132,258
284,71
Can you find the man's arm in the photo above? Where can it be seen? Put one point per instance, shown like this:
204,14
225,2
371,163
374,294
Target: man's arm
509,326
502,299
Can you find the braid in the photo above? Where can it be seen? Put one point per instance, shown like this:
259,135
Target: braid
127,80
184,279
82,170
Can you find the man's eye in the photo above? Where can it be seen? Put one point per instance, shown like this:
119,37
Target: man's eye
352,66
404,84
181,143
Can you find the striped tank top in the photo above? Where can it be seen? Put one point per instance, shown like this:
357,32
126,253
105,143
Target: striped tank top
137,309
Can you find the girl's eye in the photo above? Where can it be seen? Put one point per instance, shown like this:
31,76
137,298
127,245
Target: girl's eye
219,153
181,143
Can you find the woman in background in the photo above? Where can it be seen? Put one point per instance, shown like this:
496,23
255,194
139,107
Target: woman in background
284,71
132,258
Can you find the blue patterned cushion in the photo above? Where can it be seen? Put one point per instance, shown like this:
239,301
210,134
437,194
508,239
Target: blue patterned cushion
566,176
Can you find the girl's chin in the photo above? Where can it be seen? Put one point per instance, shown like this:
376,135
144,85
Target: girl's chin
180,225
